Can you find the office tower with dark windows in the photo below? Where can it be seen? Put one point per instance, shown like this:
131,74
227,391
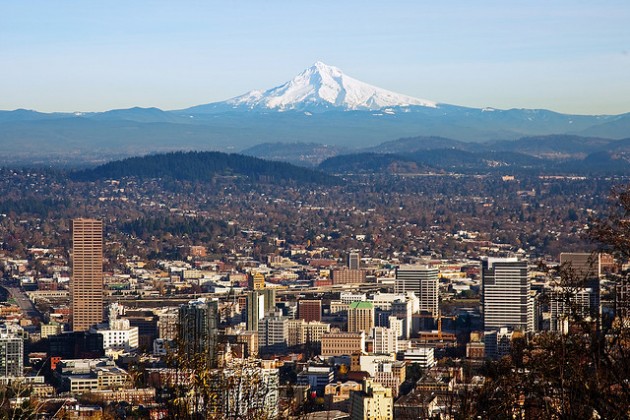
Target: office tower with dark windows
584,269
507,300
198,328
259,303
354,261
86,286
423,281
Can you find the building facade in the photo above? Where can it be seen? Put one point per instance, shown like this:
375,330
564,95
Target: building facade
373,402
354,261
273,334
342,343
385,340
348,276
310,310
11,351
423,281
506,297
198,328
86,285
361,317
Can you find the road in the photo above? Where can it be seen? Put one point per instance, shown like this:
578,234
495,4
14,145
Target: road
23,301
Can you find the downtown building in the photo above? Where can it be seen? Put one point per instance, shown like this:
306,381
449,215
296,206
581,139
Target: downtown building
361,317
198,329
258,304
86,285
11,351
310,310
354,261
373,402
506,297
301,332
577,297
273,334
118,335
423,281
385,340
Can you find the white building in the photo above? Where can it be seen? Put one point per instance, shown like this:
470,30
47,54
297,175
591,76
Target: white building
424,356
118,335
403,310
385,340
506,297
383,301
347,297
273,334
11,351
369,362
397,325
373,402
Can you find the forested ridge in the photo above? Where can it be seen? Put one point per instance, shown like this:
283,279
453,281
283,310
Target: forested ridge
202,166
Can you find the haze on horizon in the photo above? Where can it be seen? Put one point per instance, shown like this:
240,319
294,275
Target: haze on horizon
567,56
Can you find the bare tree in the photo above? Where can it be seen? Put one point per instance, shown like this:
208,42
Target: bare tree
581,373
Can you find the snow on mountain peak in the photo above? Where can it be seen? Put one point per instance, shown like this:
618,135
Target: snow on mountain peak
322,86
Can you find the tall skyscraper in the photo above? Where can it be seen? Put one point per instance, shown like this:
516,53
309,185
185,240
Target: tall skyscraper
506,299
198,328
583,270
86,286
11,351
421,280
255,310
354,260
259,303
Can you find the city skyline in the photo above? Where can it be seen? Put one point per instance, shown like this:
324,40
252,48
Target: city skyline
90,57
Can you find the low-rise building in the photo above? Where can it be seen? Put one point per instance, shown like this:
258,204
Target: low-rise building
423,356
342,343
373,402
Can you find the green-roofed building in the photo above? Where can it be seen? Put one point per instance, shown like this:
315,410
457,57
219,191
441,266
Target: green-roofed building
361,317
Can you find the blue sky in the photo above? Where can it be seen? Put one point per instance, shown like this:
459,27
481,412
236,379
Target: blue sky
568,56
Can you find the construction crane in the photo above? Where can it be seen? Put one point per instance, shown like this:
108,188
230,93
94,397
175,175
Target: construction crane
439,320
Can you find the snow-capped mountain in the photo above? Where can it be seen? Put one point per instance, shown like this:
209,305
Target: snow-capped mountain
319,105
320,87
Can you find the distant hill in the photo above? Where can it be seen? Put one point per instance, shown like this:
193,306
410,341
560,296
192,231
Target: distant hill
617,127
413,144
202,166
372,162
554,146
302,154
453,160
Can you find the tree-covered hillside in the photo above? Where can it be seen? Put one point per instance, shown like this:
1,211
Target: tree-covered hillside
203,166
